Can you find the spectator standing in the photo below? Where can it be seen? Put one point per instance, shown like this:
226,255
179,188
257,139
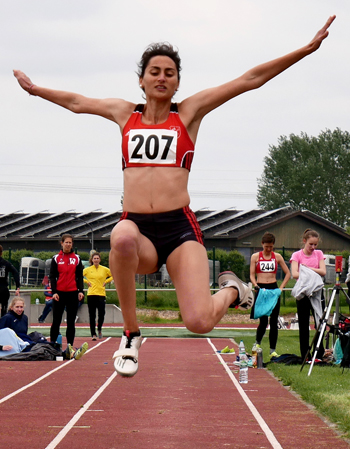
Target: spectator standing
48,302
66,279
314,259
263,270
96,276
6,268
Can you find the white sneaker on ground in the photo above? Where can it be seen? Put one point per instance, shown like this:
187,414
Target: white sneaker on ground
245,299
126,358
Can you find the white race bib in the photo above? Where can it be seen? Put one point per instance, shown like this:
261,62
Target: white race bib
152,146
267,266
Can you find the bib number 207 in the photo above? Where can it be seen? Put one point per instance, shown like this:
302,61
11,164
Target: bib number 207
152,147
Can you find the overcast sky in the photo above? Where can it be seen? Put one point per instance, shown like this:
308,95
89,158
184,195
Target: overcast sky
54,160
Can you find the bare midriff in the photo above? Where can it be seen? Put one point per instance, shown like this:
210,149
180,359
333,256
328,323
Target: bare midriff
151,190
266,278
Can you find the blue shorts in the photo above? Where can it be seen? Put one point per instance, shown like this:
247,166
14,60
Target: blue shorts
167,230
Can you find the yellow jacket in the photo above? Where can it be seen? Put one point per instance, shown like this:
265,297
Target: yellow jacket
97,277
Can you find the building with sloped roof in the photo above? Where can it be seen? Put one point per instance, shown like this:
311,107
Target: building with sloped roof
242,230
228,229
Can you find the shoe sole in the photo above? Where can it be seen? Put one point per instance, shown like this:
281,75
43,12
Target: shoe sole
125,367
247,292
81,351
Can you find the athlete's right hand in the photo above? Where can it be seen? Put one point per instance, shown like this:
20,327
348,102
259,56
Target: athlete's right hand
23,81
56,297
7,348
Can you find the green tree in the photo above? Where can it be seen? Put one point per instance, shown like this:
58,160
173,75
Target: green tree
309,173
16,256
44,255
105,259
229,261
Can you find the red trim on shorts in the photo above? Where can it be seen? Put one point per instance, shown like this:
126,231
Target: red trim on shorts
194,223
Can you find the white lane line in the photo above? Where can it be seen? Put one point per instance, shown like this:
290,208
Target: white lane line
265,428
78,415
81,412
11,395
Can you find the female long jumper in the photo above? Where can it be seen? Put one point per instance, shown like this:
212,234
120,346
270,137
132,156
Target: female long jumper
158,141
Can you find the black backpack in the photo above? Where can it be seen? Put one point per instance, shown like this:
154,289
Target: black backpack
288,359
345,345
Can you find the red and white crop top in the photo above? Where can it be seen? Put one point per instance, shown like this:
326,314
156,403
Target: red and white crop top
165,145
266,265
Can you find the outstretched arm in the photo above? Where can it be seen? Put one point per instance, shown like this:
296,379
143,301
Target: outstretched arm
113,109
196,107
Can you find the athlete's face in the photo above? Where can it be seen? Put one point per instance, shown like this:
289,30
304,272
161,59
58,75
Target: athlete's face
67,245
310,245
267,248
18,307
160,77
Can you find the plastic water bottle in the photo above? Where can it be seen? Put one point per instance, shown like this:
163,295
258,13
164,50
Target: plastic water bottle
37,301
254,355
243,364
59,340
260,358
241,346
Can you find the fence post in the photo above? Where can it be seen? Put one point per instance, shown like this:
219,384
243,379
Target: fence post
10,274
284,293
214,277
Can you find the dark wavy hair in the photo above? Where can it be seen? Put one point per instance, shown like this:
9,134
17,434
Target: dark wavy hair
159,49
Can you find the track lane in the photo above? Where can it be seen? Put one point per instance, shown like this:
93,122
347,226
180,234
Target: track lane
182,397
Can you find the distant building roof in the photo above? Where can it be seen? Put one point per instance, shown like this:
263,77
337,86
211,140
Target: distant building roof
42,230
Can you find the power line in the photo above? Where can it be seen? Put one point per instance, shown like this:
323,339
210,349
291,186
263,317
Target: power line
64,188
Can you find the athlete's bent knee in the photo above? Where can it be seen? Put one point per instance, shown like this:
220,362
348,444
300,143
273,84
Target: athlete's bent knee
198,325
126,245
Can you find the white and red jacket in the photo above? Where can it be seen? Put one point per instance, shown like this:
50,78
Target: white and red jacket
66,273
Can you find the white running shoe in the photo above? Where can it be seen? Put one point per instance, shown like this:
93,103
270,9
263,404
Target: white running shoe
126,358
245,299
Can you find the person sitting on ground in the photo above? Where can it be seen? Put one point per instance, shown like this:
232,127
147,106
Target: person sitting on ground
16,320
10,343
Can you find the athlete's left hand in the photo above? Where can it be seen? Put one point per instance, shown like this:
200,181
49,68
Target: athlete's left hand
322,34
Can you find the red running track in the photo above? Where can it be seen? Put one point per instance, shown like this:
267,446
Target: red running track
185,395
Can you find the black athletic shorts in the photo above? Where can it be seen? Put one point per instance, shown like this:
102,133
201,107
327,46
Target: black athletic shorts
167,230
